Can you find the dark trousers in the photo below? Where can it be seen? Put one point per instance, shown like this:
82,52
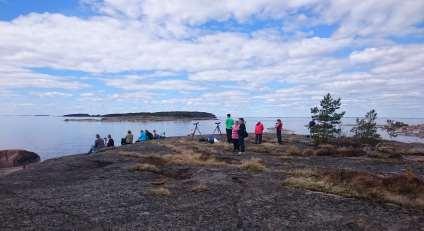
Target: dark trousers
279,137
236,145
241,144
229,131
258,138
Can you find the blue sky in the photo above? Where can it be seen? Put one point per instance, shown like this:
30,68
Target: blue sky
255,58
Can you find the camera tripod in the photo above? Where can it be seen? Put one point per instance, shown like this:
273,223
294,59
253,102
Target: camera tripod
217,129
196,129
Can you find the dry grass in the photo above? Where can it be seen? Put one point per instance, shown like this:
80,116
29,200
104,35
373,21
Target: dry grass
292,150
159,182
325,150
267,148
253,165
160,191
404,189
193,159
347,151
308,152
129,154
414,151
146,167
200,188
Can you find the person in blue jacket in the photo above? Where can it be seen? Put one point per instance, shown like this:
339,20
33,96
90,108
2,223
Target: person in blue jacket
143,136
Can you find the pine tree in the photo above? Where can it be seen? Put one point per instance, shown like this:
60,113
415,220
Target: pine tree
366,128
327,119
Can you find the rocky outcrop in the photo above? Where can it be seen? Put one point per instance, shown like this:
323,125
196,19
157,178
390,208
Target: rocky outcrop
17,158
412,130
182,184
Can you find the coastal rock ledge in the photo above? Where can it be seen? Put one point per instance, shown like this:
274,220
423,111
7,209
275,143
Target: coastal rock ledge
17,158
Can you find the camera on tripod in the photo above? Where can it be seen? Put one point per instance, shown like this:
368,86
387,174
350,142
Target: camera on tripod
217,123
197,123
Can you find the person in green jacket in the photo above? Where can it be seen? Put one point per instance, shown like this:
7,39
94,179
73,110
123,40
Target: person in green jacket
229,122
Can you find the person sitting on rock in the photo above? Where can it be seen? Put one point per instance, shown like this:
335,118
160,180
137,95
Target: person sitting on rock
149,135
110,142
98,144
143,136
128,139
155,135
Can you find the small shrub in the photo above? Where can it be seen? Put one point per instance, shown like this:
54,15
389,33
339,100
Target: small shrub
160,191
366,129
253,165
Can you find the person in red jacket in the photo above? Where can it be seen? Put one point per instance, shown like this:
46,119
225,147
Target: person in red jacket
278,129
259,130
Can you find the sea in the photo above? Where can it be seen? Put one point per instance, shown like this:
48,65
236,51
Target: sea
51,136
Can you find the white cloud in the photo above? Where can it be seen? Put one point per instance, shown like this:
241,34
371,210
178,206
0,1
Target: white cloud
196,11
141,84
20,78
285,62
51,94
374,17
370,17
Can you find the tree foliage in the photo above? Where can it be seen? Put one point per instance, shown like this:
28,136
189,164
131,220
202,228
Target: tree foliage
366,128
328,119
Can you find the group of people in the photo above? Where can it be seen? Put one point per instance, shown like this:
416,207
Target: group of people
145,135
236,132
235,129
100,143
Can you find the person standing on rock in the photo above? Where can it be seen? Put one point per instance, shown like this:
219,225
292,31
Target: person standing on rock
278,130
259,130
242,133
235,136
229,122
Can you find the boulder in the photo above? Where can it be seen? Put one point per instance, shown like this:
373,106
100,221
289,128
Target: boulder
16,158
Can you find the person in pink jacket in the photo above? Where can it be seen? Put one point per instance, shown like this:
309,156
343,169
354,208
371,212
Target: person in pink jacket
235,136
259,130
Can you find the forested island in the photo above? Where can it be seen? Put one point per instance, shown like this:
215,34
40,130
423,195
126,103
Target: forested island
143,116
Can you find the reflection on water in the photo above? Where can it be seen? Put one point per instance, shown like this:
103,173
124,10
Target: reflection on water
52,137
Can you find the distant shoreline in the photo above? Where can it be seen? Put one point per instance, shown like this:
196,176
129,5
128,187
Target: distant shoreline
141,116
134,119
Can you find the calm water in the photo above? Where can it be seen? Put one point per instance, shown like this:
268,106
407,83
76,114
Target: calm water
52,137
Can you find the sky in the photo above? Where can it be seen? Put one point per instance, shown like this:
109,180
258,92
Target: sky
250,58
